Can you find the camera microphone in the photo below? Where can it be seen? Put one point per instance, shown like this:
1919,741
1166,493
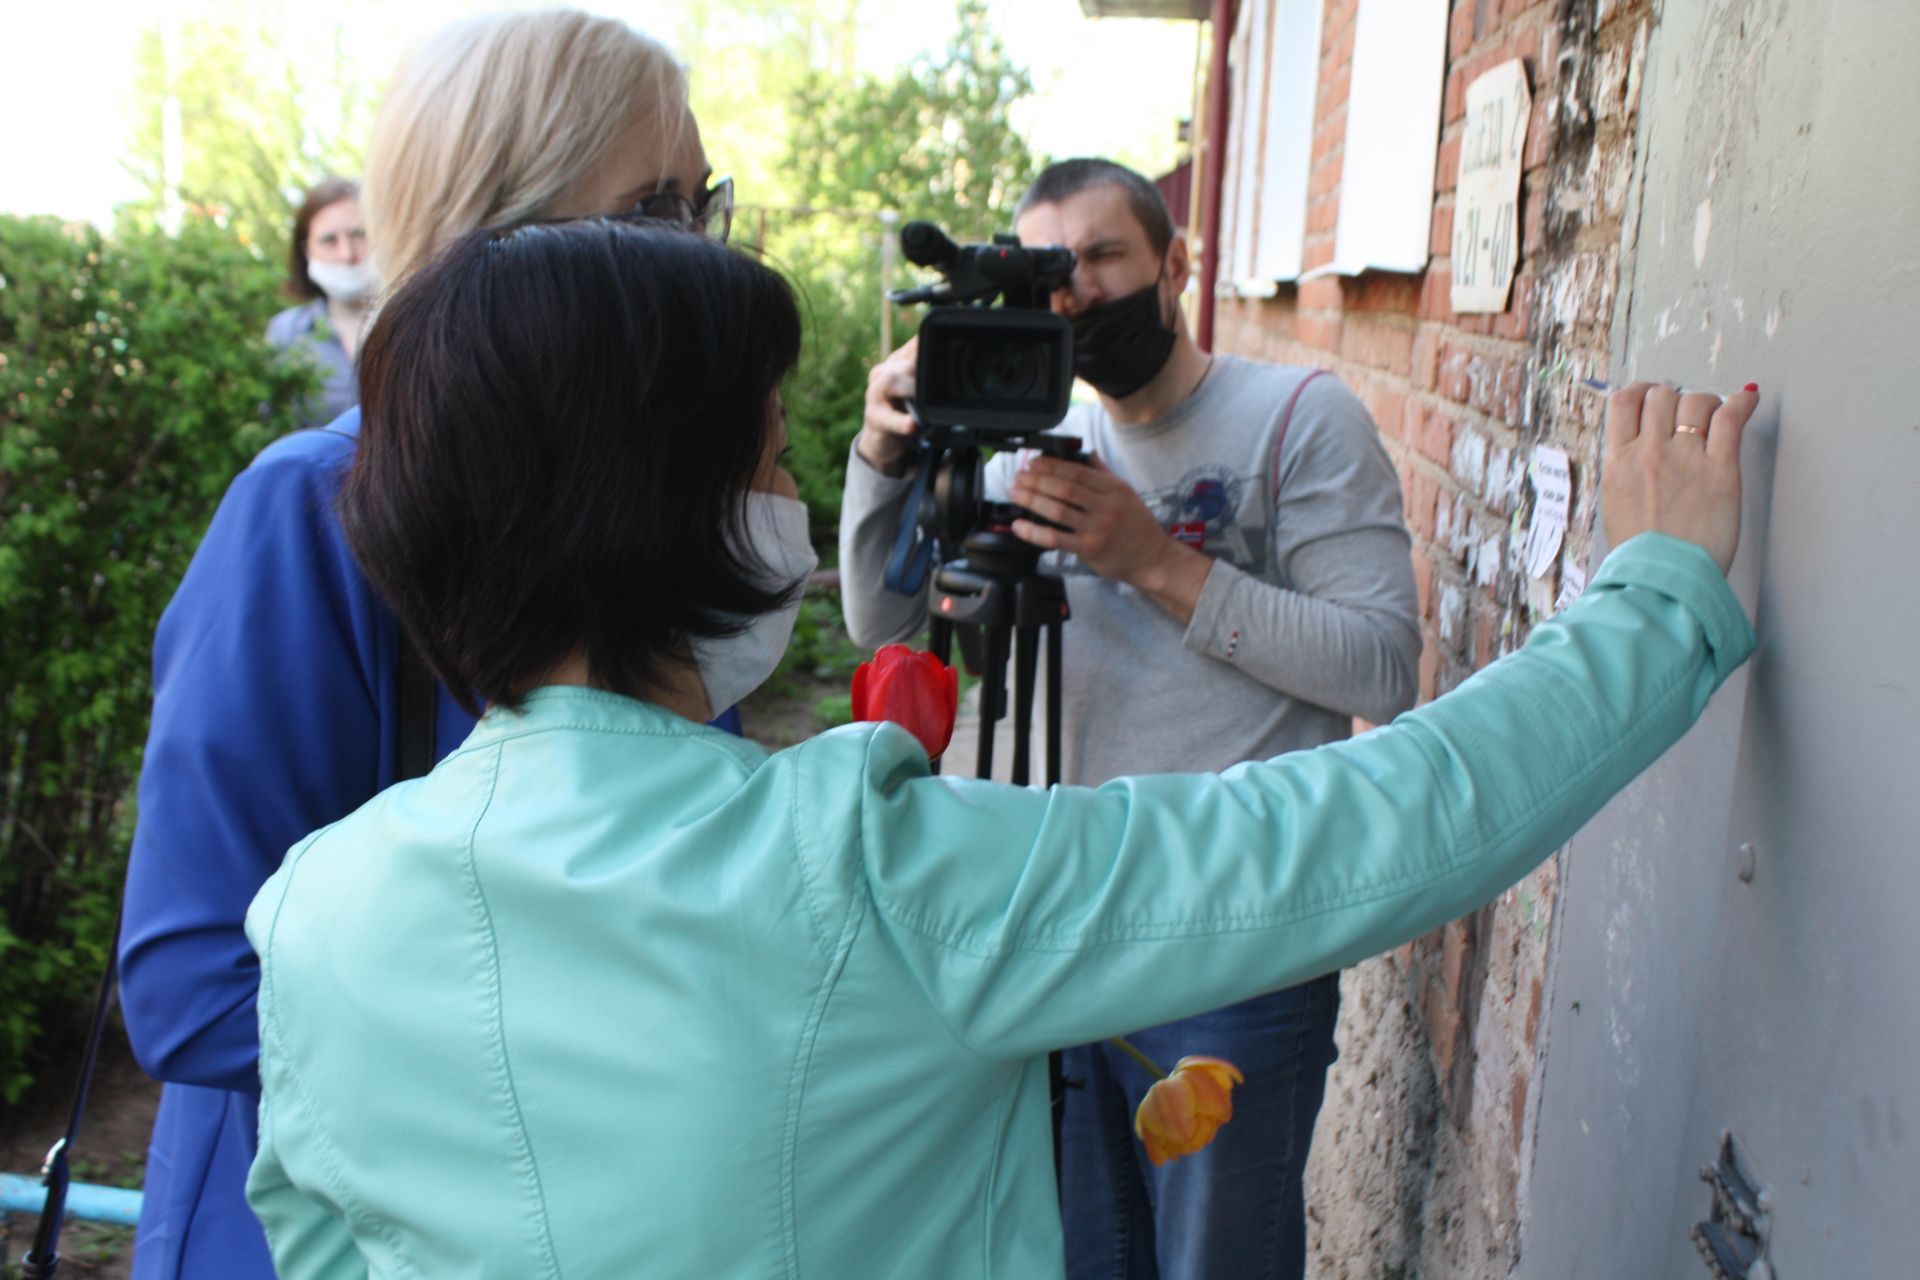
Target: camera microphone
926,245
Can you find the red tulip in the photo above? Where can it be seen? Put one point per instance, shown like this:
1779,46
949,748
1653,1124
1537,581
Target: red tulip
1181,1113
913,689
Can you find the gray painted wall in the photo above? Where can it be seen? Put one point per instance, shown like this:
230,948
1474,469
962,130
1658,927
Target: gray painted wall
1778,241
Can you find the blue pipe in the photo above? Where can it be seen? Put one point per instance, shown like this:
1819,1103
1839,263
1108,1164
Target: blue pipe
86,1200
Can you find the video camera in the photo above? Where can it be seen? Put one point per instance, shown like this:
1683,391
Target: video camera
986,376
997,372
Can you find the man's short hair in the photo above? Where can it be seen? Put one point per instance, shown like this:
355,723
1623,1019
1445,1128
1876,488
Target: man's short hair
1070,177
558,427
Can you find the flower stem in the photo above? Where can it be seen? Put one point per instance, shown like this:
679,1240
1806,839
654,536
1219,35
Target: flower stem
1121,1043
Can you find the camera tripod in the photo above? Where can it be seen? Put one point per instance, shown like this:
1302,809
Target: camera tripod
995,600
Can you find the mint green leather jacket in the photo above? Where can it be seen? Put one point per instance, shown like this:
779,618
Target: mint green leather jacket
610,994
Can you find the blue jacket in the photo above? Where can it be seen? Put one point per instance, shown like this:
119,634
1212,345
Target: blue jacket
273,674
273,714
609,994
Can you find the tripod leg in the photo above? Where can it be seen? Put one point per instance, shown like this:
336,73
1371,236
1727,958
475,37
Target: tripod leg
1055,654
1026,660
940,645
993,695
940,639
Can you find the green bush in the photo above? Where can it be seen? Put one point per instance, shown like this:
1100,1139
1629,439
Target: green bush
134,384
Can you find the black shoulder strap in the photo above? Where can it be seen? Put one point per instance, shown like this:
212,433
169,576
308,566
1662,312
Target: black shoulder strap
419,702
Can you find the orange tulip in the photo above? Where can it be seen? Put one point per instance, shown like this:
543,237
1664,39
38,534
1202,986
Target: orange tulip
1181,1113
914,690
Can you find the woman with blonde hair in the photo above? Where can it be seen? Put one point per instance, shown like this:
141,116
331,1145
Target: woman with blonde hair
279,677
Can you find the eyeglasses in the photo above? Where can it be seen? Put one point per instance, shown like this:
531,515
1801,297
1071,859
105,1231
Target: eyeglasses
711,214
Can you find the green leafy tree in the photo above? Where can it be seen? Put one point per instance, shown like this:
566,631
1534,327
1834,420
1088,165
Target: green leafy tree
256,126
133,385
935,141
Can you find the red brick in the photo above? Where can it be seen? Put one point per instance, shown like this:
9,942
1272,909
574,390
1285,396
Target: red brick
1412,413
1423,581
1327,134
1446,169
1455,373
1532,1025
1423,498
1323,294
1460,29
1538,133
1325,176
1384,291
1435,439
1547,82
1483,383
1385,404
1335,87
1323,214
1429,681
1340,20
1533,223
1394,351
1485,634
1440,243
1425,358
1435,295
1316,251
1320,332
1513,322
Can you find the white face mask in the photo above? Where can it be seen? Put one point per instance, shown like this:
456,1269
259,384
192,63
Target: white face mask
734,666
348,285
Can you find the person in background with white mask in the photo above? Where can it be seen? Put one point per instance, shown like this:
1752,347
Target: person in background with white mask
329,268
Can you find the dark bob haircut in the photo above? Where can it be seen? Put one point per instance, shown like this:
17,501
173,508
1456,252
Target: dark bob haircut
558,427
1065,178
323,193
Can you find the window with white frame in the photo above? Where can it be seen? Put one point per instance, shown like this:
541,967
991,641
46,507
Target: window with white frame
1392,138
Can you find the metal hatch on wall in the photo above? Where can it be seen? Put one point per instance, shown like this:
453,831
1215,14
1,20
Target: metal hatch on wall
1734,1024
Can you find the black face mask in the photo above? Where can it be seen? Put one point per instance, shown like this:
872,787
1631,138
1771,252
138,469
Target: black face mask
1119,345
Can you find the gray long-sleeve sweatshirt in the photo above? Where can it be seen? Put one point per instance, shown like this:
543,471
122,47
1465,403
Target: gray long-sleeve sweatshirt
1307,617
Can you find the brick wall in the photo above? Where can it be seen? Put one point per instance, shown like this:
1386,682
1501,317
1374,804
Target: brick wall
1419,1167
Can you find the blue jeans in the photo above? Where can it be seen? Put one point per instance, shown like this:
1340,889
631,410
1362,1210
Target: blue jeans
1234,1209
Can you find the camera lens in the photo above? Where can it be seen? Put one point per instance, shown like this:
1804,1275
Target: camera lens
996,370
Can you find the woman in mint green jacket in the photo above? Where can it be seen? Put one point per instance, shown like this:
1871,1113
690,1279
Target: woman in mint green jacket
610,993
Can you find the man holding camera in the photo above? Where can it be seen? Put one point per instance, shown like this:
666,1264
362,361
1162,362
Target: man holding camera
1240,583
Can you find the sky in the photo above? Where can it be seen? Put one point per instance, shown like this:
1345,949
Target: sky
1112,87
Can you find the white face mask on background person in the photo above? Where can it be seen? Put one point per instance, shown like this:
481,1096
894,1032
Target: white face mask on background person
344,283
731,667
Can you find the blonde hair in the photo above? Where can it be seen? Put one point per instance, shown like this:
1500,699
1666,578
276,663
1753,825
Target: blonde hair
498,119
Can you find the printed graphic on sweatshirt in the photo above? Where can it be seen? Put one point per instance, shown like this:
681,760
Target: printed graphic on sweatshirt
1212,508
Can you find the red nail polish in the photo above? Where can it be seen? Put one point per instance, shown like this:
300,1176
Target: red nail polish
1753,386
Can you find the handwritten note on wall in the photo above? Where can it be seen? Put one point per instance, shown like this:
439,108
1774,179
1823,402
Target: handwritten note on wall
1552,506
1486,210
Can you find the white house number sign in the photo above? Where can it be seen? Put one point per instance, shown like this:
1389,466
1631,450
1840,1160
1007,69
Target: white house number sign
1486,212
